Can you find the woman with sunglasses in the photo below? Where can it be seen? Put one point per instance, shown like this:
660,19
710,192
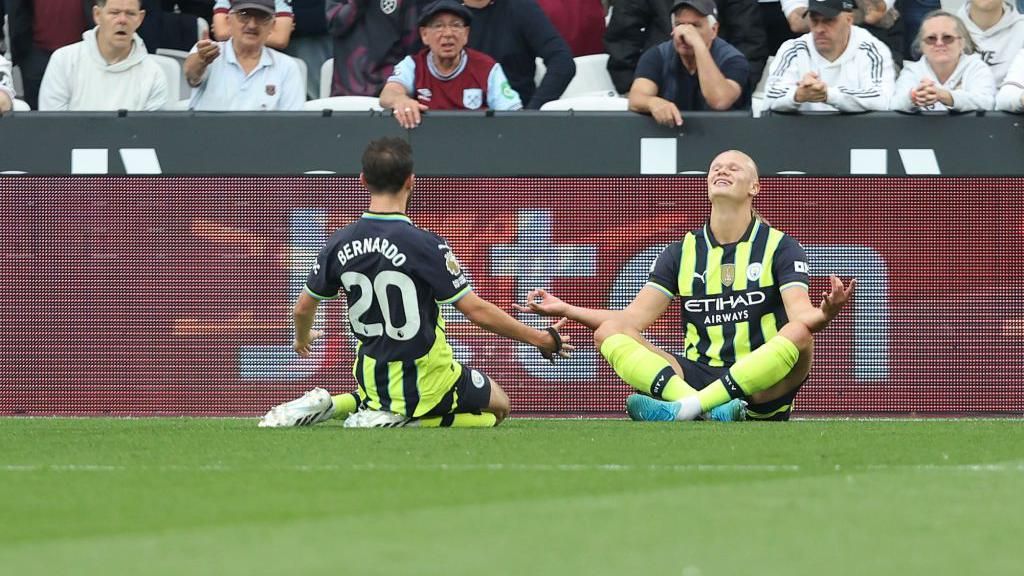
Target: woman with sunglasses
949,77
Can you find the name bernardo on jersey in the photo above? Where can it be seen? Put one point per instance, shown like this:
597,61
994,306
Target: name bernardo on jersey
726,304
370,245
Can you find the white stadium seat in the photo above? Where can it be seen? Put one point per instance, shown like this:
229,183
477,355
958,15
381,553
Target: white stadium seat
326,77
591,76
345,104
180,55
20,106
588,103
172,71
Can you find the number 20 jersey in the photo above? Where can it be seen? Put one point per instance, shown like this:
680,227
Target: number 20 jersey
395,277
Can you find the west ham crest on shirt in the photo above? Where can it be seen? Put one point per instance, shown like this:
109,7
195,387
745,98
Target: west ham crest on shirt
271,89
472,98
388,6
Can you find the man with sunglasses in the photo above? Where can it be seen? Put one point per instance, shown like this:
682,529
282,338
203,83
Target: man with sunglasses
835,67
243,73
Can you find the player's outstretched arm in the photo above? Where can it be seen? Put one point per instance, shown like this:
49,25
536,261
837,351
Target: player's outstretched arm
304,313
494,320
799,307
647,307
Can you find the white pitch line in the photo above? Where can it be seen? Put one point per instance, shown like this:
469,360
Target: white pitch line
683,468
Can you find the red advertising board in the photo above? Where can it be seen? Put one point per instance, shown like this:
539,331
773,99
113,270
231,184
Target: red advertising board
134,295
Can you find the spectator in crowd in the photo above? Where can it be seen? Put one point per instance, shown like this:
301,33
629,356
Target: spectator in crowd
879,17
636,25
242,73
580,22
1010,97
109,69
6,85
949,75
912,13
369,39
694,70
284,23
446,75
776,26
37,29
836,66
310,41
997,30
515,33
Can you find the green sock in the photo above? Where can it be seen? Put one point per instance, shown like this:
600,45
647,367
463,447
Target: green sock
757,371
643,369
345,404
485,420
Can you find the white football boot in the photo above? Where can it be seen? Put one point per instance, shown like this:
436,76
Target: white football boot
310,408
377,419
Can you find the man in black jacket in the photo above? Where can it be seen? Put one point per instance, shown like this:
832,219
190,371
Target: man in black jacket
516,33
34,39
636,25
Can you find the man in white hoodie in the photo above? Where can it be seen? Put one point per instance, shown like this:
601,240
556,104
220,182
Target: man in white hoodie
835,67
997,30
109,69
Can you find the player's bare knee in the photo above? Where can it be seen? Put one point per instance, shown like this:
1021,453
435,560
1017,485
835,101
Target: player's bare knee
799,335
605,331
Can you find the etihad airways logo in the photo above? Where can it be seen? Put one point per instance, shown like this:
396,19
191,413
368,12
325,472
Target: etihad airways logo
725,309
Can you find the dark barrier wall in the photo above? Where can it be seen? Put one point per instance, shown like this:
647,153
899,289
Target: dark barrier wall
166,295
511,144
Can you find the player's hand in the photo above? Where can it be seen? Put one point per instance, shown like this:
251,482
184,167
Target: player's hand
543,303
665,113
408,113
559,346
834,299
302,345
207,49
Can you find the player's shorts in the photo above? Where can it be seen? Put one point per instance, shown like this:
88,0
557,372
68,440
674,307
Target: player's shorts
699,376
470,393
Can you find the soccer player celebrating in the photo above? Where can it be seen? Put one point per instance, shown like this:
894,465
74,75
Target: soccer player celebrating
395,277
747,315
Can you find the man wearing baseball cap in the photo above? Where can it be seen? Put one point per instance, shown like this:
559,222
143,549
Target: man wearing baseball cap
242,73
446,75
280,31
835,67
693,70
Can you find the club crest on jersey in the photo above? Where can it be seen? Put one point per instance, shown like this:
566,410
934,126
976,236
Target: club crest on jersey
472,98
452,264
728,274
388,6
754,272
271,89
424,94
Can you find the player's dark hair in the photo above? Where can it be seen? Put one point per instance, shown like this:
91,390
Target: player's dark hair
387,164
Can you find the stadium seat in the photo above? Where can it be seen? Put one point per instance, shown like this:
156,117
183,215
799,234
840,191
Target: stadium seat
591,76
588,103
345,104
326,77
172,71
20,106
184,90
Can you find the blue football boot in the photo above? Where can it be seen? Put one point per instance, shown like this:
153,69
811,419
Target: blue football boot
734,410
641,407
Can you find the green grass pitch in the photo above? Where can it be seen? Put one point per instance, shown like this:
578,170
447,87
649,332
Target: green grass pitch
532,497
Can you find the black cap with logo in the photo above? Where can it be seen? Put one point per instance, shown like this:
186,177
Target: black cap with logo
830,8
